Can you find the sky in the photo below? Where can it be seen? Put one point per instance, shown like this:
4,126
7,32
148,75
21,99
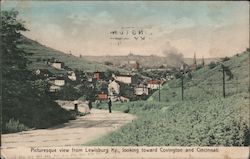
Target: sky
209,29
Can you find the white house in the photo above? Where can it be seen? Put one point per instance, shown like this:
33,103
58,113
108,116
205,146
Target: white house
59,82
72,75
124,99
124,79
57,65
56,83
154,84
113,88
141,90
54,88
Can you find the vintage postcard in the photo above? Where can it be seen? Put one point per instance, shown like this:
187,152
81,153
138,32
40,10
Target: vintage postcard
125,79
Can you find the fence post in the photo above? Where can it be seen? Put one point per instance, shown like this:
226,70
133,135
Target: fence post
159,93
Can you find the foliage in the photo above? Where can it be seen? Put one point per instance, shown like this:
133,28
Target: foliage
24,98
212,65
13,126
155,74
177,74
199,66
225,59
228,72
68,92
127,91
181,124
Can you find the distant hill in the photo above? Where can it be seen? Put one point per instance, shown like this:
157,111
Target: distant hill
41,52
145,61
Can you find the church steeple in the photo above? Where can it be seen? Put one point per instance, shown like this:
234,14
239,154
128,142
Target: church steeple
194,66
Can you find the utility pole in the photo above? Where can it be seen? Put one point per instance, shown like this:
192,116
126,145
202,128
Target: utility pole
223,81
159,92
182,87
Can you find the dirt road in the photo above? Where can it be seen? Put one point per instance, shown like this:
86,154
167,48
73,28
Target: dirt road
76,132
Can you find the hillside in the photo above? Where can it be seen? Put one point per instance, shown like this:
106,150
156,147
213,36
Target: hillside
206,83
41,52
145,61
203,118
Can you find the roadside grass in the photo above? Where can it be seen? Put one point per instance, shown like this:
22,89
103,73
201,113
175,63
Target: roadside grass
208,123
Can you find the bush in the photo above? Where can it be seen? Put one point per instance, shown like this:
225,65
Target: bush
212,65
126,110
13,126
68,92
39,59
199,66
225,59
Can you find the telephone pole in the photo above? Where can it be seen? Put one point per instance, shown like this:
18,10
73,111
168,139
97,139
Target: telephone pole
182,87
223,81
159,93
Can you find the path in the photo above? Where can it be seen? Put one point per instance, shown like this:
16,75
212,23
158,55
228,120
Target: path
75,132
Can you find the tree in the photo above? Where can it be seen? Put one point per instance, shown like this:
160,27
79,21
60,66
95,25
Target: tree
68,92
23,98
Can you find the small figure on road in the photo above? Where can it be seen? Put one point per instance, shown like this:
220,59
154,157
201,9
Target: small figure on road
76,105
90,104
110,105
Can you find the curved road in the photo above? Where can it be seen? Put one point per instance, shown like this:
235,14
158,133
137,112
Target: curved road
76,132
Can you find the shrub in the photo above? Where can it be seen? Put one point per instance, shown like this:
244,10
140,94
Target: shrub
199,66
126,110
39,59
13,126
225,59
212,65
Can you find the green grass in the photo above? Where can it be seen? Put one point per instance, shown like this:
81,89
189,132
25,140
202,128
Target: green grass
204,118
43,52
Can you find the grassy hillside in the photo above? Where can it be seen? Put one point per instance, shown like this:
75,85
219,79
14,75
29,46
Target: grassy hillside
40,51
204,118
206,83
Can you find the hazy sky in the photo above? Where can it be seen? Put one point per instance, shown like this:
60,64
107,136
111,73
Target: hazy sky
210,29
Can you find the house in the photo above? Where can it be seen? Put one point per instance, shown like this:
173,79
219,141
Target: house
113,88
102,96
57,65
141,90
154,84
72,75
54,88
128,79
124,99
59,81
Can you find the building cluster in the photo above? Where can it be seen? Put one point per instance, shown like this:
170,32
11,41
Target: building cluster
117,87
